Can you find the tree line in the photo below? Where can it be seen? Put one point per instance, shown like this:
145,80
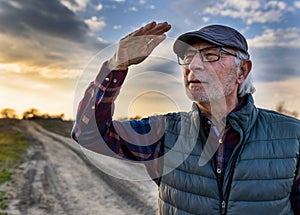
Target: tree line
34,113
31,113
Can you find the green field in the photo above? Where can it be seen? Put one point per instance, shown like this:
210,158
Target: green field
13,146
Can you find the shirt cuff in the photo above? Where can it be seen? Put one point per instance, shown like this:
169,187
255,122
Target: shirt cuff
110,79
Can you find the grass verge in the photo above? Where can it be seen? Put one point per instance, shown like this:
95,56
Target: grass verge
13,146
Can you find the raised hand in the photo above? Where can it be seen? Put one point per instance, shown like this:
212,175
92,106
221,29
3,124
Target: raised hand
138,45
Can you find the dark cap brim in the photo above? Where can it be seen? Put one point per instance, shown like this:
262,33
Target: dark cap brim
185,40
215,34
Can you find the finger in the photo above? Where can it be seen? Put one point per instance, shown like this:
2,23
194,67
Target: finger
149,25
153,28
143,30
160,28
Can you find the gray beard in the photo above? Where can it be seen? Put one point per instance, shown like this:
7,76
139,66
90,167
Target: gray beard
215,94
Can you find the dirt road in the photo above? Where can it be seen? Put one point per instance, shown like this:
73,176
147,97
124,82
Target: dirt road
57,179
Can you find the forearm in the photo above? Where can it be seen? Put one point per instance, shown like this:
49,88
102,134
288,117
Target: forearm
95,130
94,119
94,113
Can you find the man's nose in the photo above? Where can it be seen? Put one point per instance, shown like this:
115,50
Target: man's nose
196,62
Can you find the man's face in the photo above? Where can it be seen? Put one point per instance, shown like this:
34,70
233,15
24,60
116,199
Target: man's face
208,81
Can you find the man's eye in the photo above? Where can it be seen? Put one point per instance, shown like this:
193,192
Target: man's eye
188,58
210,55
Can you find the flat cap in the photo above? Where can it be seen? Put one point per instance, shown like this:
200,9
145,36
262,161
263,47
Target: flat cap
217,34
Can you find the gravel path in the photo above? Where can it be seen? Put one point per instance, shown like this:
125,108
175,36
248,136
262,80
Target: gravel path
58,179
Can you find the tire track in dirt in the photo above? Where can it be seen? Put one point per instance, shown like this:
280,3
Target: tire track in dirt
40,191
121,187
58,179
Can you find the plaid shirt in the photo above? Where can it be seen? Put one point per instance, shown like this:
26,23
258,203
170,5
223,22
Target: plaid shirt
94,118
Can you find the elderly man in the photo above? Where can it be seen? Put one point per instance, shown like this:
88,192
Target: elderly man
225,156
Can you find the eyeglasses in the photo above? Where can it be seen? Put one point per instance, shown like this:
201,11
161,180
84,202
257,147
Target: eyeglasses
209,54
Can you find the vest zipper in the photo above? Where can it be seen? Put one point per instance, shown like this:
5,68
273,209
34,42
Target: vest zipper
223,205
231,165
220,187
221,182
232,169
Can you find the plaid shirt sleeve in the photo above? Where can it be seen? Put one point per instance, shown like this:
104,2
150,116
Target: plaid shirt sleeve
95,130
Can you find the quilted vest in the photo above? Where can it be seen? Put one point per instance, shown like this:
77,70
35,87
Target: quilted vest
259,176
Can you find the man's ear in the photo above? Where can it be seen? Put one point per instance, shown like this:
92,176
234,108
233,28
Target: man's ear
245,68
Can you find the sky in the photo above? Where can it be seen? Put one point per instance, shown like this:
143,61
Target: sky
51,50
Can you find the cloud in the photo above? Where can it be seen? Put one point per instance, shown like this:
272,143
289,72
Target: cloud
47,17
297,4
99,7
271,64
41,86
118,1
143,2
117,27
250,12
269,95
75,5
190,15
256,11
95,23
45,38
205,19
133,9
49,57
152,7
288,37
48,95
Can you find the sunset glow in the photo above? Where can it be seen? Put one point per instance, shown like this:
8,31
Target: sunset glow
46,46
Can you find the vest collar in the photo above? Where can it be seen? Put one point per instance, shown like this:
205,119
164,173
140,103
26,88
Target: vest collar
246,116
243,117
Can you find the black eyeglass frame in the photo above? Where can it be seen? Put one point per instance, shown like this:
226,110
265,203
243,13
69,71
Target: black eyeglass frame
221,48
